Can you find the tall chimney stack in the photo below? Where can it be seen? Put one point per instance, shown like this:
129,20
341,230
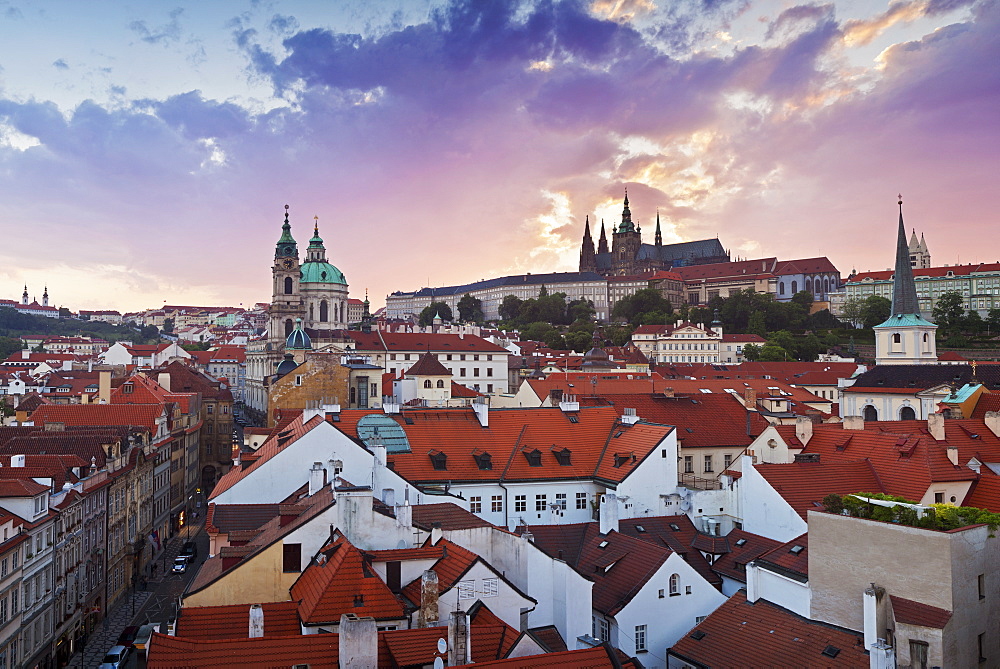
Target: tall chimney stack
428,614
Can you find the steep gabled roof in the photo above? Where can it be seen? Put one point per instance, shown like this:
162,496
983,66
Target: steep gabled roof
340,581
804,484
139,415
428,365
773,636
678,534
619,565
910,612
791,559
744,547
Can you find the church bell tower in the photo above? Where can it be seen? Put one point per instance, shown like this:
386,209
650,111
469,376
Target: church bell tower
286,301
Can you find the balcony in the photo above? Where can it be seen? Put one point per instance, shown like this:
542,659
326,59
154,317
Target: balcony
699,483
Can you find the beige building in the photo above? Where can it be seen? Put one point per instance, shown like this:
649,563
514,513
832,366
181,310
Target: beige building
933,596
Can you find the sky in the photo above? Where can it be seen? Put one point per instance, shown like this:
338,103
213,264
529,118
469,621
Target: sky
147,149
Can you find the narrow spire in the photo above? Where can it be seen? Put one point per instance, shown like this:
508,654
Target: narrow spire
602,245
626,224
904,290
316,226
659,237
586,228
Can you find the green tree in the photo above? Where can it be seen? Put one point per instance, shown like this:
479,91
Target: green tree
579,341
168,326
470,309
808,348
9,345
993,320
782,339
831,340
642,301
510,307
949,312
756,325
772,353
823,320
974,323
580,310
876,310
751,352
804,299
853,310
618,335
434,309
543,291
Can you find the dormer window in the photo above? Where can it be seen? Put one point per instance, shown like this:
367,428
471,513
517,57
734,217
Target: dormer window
40,505
483,460
534,457
563,456
439,460
127,388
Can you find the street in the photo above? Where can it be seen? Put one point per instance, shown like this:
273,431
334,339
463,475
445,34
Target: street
156,604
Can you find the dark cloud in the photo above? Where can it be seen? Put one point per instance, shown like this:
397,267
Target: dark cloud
198,118
164,34
935,7
794,16
60,64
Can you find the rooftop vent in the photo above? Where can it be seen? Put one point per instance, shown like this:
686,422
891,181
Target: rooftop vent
698,635
831,651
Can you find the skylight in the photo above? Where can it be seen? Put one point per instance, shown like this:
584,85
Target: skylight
741,542
603,544
796,549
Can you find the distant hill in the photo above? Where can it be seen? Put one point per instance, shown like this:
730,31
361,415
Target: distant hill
14,324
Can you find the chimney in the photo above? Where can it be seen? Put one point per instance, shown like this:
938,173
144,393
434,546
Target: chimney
428,614
668,392
55,427
17,461
750,398
317,478
436,533
803,429
377,447
256,621
404,515
935,425
953,454
609,513
163,378
358,642
104,387
482,410
854,423
992,420
459,643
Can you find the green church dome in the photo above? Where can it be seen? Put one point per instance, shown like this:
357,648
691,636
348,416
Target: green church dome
321,272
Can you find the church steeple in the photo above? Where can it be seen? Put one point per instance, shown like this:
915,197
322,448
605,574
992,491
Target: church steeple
659,237
45,297
286,247
24,295
588,261
602,245
904,290
626,224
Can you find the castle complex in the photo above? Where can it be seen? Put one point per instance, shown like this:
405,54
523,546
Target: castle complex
629,256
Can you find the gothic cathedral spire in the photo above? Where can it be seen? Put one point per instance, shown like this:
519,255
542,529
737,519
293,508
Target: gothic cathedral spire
659,237
602,245
904,290
588,259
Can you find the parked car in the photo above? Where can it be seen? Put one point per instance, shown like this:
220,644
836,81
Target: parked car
116,657
128,635
180,565
188,551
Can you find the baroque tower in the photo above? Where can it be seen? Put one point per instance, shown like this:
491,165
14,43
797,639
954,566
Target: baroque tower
625,243
286,304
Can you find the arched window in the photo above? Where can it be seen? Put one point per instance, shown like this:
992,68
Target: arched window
907,413
289,284
427,383
795,287
808,286
826,285
897,338
675,584
870,413
312,313
324,311
289,326
440,383
781,288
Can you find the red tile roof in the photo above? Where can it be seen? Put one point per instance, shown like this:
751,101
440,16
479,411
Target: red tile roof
820,265
660,531
454,562
599,657
789,559
428,365
549,638
985,493
958,270
451,516
915,613
599,445
139,415
318,651
772,636
20,488
619,565
744,547
804,484
986,402
233,622
342,582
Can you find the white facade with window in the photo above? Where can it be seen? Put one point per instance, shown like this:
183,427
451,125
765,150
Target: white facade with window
685,343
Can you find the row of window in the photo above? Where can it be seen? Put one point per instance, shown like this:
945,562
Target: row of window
708,463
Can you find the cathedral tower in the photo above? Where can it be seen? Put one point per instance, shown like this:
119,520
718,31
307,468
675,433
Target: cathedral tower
286,303
625,243
588,258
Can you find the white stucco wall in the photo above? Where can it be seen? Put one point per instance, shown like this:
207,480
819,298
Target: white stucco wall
763,510
777,589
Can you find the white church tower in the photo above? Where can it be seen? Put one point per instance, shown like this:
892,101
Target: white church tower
907,338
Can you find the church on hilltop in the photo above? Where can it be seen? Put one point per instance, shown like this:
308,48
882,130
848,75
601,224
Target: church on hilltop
629,256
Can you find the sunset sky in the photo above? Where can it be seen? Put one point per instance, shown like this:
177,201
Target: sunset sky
147,149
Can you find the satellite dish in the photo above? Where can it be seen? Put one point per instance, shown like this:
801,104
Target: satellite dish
442,646
685,505
438,663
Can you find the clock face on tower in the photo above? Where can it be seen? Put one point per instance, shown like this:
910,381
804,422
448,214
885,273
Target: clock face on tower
288,263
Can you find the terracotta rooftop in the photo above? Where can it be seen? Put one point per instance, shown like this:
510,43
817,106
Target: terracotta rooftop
914,613
598,657
339,582
678,534
744,547
804,484
618,564
451,516
790,559
428,365
772,635
415,341
140,415
233,622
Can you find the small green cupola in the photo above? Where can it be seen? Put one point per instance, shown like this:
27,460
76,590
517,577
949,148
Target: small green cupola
286,247
298,340
316,268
